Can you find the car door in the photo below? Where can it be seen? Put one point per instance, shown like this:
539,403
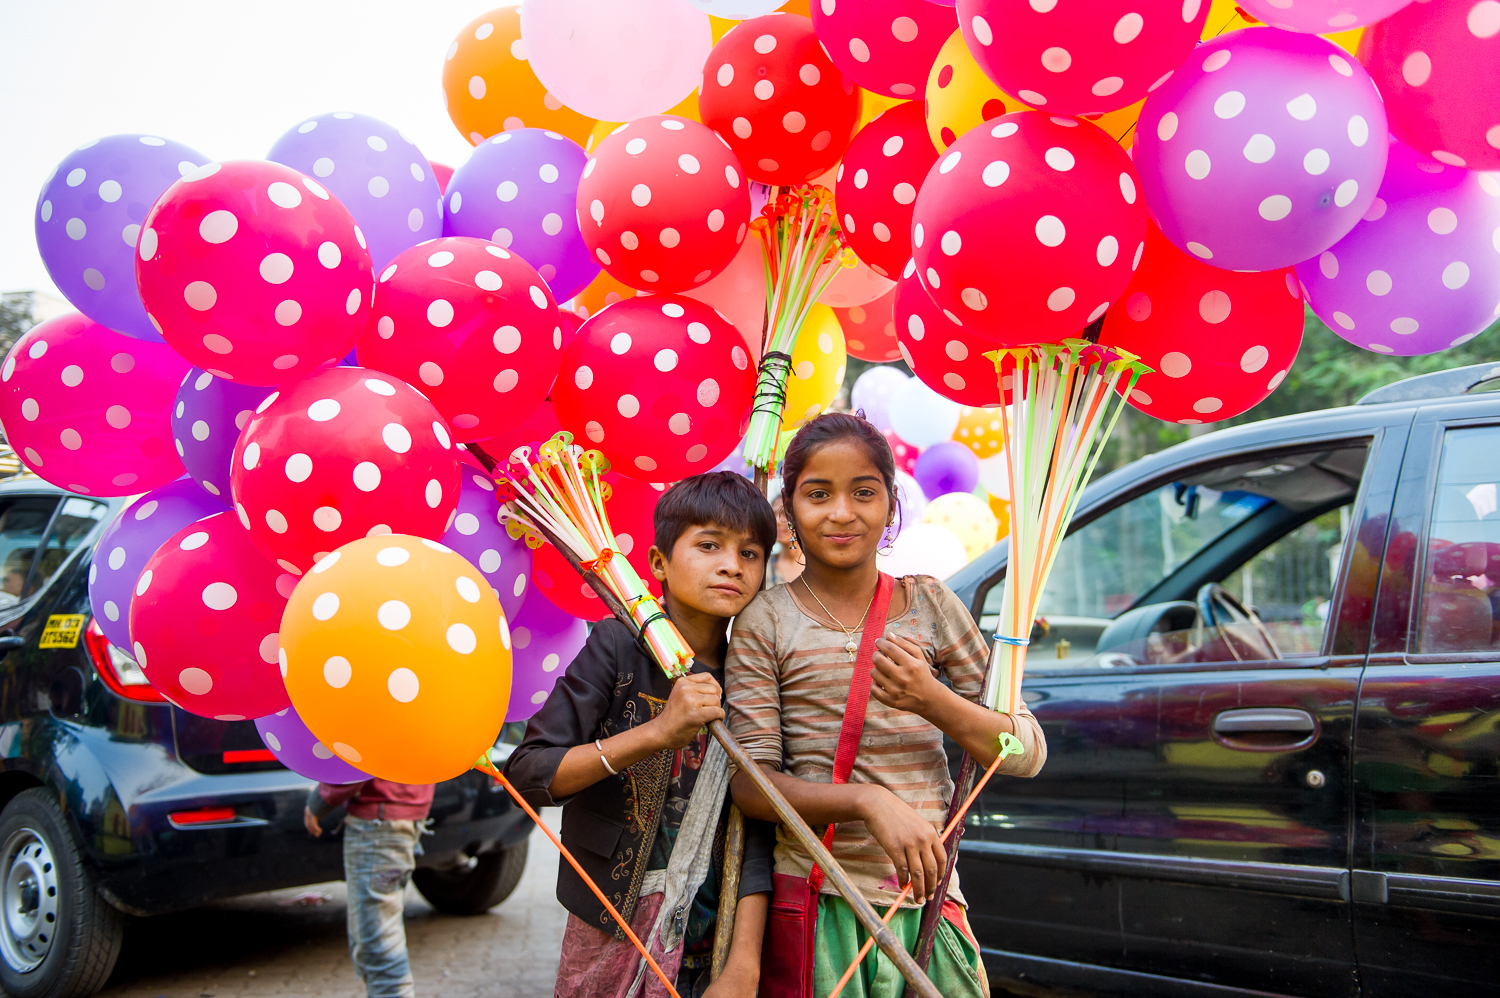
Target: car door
1191,821
1426,860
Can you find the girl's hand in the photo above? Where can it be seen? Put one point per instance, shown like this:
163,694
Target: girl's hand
902,678
908,839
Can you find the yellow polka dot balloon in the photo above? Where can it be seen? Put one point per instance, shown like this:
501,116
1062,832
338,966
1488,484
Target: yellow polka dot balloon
488,85
396,655
818,362
980,430
968,516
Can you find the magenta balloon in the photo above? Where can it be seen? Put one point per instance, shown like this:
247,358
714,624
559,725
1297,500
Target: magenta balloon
1320,17
477,533
1263,149
206,421
544,640
299,750
883,45
1421,272
87,408
130,541
946,467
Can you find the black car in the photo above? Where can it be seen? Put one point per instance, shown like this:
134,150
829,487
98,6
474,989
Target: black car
1269,676
115,803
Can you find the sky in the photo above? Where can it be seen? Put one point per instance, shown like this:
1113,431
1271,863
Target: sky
226,79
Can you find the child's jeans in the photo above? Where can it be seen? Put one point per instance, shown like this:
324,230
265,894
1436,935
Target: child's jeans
378,859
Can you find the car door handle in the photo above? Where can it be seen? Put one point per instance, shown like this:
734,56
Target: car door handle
1248,720
10,642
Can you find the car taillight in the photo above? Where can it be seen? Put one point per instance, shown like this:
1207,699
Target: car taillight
248,755
202,816
118,670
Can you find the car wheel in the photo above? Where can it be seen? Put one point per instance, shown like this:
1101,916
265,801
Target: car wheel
58,937
475,887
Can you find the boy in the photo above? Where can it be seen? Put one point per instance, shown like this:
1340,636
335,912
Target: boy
643,787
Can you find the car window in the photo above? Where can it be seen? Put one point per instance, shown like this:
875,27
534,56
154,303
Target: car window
1290,583
22,523
1460,608
74,521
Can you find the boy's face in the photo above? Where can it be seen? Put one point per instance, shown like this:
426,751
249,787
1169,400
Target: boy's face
712,569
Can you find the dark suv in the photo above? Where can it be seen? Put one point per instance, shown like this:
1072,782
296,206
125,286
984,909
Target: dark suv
113,802
1270,684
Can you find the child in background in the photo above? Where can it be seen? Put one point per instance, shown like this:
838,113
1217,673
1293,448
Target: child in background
643,788
792,666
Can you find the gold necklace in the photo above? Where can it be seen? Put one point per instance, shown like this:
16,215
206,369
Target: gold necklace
851,647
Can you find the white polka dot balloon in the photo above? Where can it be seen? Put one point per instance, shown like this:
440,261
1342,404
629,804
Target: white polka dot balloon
1264,149
1321,16
375,171
479,535
207,418
1217,342
254,272
1421,271
948,358
204,620
1028,227
877,185
473,325
347,453
87,408
398,658
884,46
88,218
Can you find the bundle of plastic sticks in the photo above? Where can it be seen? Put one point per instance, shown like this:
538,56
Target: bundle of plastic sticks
804,249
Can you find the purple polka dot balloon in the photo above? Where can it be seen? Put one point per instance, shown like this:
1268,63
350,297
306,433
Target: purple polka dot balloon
1264,148
1421,271
299,750
378,173
206,421
130,541
1321,16
89,215
544,640
475,531
519,189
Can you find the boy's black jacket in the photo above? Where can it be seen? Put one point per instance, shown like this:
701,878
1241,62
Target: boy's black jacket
613,685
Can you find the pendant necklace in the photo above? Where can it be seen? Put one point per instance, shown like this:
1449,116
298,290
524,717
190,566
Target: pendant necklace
851,647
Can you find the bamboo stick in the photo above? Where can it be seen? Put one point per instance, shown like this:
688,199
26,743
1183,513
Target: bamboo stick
729,890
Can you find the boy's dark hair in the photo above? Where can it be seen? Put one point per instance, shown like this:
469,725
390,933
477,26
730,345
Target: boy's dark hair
718,497
824,429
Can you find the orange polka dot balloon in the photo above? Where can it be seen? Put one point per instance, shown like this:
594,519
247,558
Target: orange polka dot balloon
397,656
489,87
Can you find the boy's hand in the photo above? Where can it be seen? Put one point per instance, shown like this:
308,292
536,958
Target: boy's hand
310,822
901,677
695,701
908,839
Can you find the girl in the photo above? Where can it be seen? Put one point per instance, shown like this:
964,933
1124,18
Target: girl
795,658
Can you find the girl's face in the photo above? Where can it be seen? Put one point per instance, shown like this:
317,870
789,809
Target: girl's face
841,506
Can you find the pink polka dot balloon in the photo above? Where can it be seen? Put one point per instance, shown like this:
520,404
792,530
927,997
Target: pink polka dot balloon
346,454
944,355
1321,16
1217,342
204,622
1438,66
254,272
480,537
544,641
207,418
878,182
661,384
299,750
87,408
473,325
1028,227
883,45
129,542
1264,149
1421,271
663,203
1080,56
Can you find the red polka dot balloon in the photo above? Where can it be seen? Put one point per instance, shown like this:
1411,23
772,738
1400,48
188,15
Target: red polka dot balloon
1218,341
661,384
539,426
631,508
883,45
1438,67
473,326
346,454
663,204
1029,227
254,272
88,409
770,90
878,182
204,622
1080,56
944,355
870,330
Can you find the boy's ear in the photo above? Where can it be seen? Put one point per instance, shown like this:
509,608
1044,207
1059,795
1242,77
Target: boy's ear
658,563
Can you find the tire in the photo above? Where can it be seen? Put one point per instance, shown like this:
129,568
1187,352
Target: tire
474,889
44,883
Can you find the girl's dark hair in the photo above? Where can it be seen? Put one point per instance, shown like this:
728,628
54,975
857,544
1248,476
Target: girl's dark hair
824,429
721,498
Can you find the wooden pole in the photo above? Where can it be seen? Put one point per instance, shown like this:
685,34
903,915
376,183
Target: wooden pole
729,890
